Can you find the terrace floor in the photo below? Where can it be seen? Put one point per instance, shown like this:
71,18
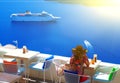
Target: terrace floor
34,80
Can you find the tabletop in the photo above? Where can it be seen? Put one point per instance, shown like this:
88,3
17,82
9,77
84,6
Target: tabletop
18,53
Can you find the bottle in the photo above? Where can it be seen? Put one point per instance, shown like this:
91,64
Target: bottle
95,58
24,49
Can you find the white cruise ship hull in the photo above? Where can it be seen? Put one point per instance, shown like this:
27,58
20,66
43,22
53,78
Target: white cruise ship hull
28,16
33,18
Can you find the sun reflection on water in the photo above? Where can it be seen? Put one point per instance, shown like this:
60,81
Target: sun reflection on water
106,8
111,12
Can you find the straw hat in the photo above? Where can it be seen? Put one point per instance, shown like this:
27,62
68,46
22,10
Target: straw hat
78,52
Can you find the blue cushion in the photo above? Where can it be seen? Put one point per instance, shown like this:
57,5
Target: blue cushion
36,66
69,71
49,58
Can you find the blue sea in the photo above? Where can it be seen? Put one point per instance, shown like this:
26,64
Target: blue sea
78,23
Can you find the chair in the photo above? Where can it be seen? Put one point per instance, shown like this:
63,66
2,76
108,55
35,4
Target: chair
42,65
10,46
4,58
73,77
14,68
105,74
1,56
59,70
9,78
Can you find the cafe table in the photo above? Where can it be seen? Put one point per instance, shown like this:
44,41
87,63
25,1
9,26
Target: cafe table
92,67
25,58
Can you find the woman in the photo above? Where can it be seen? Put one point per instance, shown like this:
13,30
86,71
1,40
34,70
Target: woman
79,60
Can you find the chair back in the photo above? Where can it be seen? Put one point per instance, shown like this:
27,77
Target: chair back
75,78
48,62
10,67
113,73
10,46
71,78
1,56
107,75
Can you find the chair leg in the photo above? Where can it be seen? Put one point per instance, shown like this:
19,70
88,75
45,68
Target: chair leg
51,77
28,75
43,77
59,79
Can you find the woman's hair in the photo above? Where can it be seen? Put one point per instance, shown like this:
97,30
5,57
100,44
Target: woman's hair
79,52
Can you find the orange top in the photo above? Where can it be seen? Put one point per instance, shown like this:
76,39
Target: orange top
78,64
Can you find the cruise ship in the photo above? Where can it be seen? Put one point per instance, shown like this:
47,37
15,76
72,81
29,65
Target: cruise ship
29,16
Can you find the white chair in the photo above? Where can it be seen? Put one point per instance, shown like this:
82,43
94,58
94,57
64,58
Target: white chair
105,74
7,46
59,69
43,65
14,68
2,58
73,77
9,78
10,46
